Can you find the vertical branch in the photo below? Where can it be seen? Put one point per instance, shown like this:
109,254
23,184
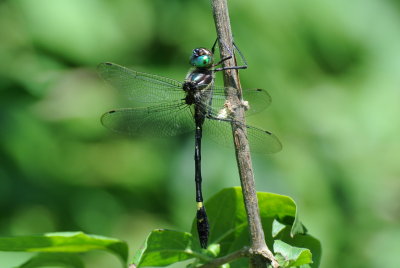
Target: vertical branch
260,252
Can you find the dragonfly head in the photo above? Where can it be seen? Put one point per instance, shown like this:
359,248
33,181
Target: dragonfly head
201,58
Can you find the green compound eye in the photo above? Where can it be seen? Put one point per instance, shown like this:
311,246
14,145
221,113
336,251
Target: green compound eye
202,61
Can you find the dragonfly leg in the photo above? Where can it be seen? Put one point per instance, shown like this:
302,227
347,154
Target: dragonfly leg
230,68
213,47
240,54
244,66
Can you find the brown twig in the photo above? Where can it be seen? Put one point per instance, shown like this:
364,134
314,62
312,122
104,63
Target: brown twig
260,254
227,259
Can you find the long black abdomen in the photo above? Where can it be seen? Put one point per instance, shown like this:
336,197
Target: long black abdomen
201,215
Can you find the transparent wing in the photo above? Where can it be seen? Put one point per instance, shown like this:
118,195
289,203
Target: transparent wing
261,141
218,127
157,121
257,99
141,87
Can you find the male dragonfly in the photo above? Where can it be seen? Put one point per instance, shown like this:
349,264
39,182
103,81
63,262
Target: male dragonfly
174,107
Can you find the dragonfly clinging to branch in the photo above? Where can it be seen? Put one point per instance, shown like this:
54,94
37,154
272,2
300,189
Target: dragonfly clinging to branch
174,107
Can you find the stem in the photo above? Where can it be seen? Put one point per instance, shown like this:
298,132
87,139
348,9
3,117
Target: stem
227,259
260,254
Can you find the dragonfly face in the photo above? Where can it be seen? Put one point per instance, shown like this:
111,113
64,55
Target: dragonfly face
202,58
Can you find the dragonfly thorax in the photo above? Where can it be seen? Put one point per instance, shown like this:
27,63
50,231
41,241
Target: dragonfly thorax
198,85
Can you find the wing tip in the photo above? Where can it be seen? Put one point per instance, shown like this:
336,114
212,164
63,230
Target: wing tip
278,145
104,65
105,115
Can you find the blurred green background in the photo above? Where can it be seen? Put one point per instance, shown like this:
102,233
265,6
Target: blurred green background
331,67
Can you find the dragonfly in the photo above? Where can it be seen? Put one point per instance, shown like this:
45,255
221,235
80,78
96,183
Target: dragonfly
173,107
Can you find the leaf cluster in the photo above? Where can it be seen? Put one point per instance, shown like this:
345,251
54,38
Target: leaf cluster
229,240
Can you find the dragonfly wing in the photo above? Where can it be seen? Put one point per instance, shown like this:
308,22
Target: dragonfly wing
141,87
157,121
256,100
261,141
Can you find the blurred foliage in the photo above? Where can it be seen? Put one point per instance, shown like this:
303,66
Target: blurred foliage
61,249
332,68
284,233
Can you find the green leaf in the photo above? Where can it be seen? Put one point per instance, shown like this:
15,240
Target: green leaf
228,220
302,241
214,249
292,256
71,260
277,227
164,247
66,242
282,208
229,229
229,232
